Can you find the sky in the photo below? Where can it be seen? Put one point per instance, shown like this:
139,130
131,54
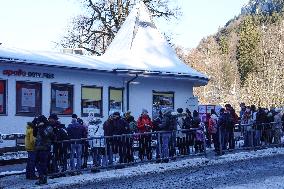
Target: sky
38,24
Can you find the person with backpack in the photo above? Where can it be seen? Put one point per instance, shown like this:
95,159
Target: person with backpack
181,135
85,143
247,123
156,128
131,129
230,124
145,124
222,122
56,146
196,126
44,135
213,129
168,125
187,125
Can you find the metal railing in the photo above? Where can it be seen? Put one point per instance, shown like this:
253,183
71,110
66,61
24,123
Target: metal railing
122,150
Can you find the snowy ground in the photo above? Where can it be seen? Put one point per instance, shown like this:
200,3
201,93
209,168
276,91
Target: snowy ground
230,170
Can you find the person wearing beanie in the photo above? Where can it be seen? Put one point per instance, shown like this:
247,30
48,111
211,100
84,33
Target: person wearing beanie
144,124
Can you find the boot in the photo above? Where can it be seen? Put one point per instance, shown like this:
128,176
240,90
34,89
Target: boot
42,180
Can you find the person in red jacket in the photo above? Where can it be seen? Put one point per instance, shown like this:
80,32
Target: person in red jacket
144,124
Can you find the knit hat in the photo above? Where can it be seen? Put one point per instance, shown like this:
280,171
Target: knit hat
53,116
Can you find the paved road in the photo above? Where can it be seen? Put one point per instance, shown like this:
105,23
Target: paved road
218,176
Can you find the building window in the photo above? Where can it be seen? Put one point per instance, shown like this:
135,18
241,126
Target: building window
162,101
28,98
61,99
91,100
116,99
3,91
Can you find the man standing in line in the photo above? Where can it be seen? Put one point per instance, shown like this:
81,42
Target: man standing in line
76,131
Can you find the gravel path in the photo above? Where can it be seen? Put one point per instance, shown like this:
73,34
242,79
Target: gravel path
221,176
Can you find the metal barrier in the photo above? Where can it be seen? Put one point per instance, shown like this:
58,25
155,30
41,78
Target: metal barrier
121,150
249,136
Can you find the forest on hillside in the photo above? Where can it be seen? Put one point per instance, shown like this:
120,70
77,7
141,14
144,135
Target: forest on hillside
245,59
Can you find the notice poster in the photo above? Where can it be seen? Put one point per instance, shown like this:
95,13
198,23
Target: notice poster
1,103
28,97
61,99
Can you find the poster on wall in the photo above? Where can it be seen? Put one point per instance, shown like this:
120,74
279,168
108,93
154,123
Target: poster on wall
28,97
115,106
61,99
162,102
202,109
1,103
91,109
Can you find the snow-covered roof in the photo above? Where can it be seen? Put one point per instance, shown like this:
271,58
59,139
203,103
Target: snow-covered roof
138,46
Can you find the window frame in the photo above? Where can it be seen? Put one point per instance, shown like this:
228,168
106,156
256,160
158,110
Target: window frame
162,92
29,114
61,85
92,87
5,97
116,88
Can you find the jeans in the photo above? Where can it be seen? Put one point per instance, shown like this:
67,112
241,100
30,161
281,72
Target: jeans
230,139
108,157
257,136
31,163
165,145
248,138
78,149
96,156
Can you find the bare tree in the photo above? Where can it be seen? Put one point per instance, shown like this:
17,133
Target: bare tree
95,30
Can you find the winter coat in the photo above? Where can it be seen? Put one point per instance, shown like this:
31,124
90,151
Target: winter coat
187,123
119,126
29,139
169,122
195,122
144,124
247,121
75,130
277,120
213,124
108,129
180,120
199,135
261,118
44,136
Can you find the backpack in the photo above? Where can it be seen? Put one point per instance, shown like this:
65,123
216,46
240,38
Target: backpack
133,126
229,122
187,122
172,123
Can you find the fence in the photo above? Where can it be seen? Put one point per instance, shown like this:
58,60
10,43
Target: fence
122,150
118,151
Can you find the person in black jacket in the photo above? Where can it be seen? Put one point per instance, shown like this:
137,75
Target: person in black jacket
44,137
62,148
119,127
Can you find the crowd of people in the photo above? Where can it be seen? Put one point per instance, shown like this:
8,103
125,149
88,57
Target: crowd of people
52,147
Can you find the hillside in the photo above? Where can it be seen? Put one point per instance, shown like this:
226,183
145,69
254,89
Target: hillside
244,59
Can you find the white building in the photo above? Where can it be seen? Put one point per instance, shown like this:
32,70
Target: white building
139,70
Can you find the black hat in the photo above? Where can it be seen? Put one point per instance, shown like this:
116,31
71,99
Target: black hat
41,118
116,114
53,116
179,110
74,116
